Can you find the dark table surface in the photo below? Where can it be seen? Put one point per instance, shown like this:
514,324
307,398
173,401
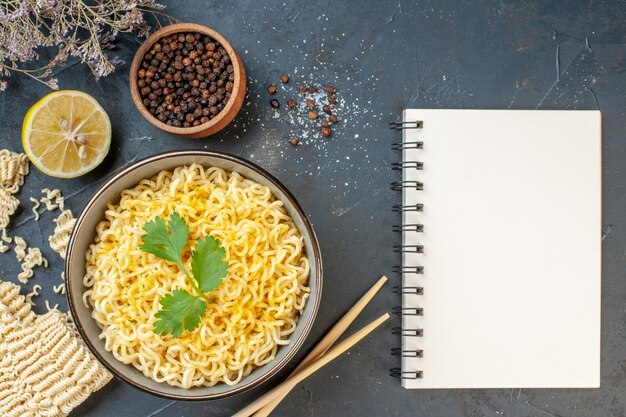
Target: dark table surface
382,56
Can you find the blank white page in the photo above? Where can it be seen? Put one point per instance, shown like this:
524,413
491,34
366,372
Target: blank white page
512,244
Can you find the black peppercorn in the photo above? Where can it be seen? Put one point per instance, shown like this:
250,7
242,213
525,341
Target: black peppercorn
326,109
275,103
185,79
333,118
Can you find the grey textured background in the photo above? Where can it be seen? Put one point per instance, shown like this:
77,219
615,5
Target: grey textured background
383,56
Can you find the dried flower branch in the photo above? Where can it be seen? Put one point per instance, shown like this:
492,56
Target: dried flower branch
70,28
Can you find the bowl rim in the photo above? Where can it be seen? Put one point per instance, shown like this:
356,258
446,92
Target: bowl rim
177,28
239,387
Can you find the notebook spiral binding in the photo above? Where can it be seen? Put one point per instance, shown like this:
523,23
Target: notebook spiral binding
407,269
416,124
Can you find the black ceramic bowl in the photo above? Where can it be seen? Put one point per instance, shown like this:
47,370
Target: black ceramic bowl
84,234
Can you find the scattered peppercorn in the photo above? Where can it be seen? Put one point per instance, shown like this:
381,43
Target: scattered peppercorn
326,120
185,79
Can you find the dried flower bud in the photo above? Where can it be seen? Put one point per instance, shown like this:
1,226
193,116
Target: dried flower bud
98,27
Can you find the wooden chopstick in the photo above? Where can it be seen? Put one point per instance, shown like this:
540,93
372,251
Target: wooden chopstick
331,337
325,359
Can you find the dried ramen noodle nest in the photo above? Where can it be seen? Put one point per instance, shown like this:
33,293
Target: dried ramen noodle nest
253,311
13,169
45,369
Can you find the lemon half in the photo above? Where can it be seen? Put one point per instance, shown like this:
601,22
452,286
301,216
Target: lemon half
66,134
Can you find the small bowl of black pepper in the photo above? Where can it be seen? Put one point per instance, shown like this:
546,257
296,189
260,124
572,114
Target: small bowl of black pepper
187,80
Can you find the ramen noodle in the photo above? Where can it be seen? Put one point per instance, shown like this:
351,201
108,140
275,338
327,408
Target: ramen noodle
36,205
61,236
251,314
32,259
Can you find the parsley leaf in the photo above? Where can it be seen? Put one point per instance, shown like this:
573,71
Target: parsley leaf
207,263
182,310
179,310
166,245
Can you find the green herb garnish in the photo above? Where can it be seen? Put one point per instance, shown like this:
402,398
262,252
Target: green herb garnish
180,309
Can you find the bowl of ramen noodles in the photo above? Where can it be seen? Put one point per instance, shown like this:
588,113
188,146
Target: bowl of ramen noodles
193,275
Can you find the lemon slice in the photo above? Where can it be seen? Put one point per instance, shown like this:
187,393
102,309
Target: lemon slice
66,134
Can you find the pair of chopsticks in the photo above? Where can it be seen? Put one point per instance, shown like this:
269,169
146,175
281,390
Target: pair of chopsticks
319,356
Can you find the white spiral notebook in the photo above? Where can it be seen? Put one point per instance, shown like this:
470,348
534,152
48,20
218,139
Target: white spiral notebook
501,248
